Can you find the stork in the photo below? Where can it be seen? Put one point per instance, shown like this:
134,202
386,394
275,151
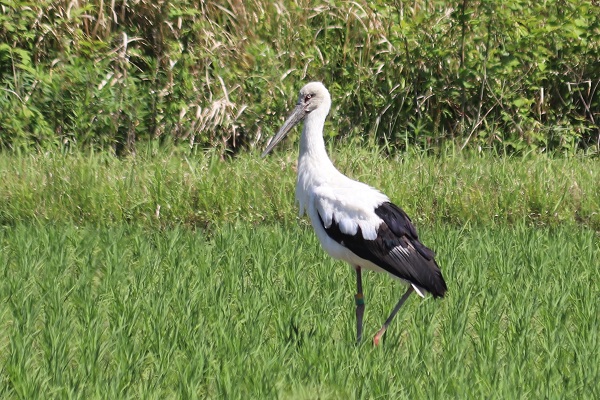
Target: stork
353,221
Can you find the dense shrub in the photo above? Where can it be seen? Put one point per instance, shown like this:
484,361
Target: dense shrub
514,75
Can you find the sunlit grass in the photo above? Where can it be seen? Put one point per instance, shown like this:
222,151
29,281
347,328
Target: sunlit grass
260,311
176,275
169,187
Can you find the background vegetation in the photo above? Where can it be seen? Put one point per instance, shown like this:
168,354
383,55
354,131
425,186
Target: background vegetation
160,189
516,75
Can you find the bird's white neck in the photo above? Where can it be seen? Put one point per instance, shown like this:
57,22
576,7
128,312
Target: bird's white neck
312,144
314,166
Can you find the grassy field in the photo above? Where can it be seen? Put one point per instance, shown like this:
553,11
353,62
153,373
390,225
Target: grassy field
168,188
223,292
261,312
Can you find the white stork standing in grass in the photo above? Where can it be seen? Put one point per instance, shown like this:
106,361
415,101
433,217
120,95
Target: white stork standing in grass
355,222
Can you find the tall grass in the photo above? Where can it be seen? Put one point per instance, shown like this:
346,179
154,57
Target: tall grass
167,187
262,312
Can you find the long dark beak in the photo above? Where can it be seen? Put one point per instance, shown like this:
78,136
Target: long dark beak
296,116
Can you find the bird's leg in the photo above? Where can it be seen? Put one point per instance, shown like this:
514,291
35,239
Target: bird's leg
379,334
360,305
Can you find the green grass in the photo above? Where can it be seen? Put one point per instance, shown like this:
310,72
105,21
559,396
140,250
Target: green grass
224,292
261,312
168,188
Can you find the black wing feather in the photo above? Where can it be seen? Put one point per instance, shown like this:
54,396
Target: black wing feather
396,249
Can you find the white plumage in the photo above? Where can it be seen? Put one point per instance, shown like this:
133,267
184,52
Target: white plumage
353,221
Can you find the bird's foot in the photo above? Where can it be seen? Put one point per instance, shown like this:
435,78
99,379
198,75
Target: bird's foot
378,336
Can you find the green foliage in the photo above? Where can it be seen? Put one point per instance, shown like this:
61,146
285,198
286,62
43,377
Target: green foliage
517,75
261,312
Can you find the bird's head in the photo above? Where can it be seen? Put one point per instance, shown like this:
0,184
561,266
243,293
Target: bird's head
313,98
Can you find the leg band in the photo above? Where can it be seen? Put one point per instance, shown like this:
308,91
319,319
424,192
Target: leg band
359,299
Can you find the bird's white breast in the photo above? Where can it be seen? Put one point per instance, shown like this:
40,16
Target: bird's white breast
335,197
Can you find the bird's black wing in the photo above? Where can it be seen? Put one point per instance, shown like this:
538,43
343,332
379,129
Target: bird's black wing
396,249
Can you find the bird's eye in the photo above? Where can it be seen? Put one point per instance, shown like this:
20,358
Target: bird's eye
308,97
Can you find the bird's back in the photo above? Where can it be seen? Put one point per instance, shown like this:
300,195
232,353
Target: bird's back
359,224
